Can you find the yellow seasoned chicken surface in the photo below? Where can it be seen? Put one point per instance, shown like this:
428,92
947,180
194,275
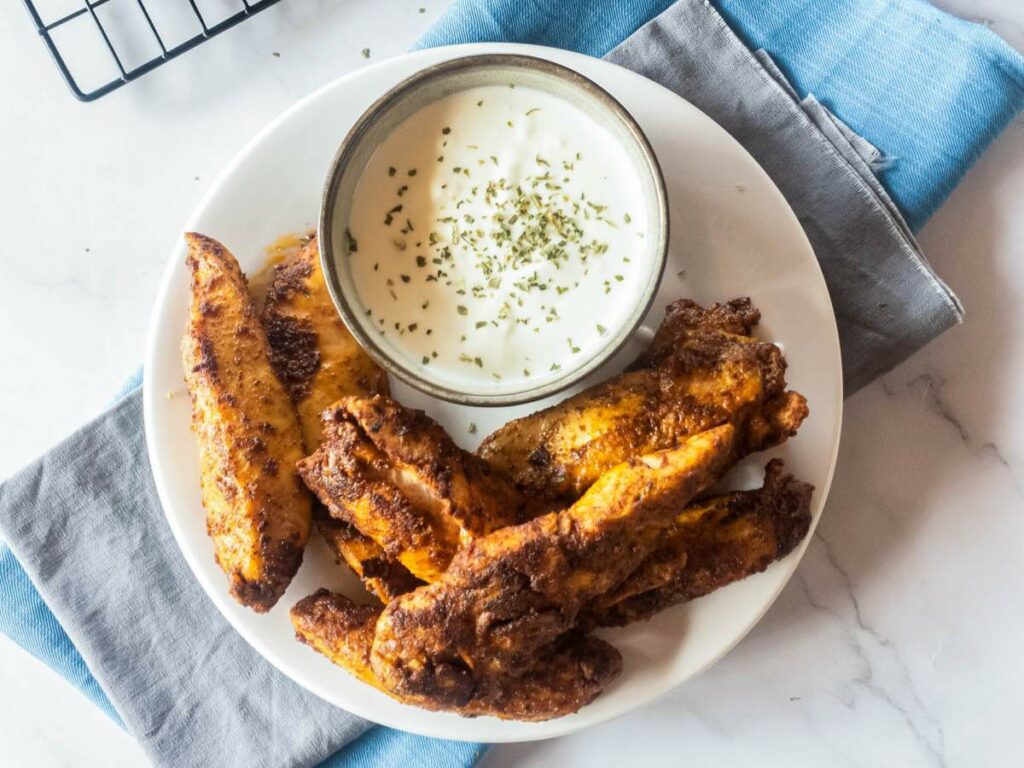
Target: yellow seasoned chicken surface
704,369
320,362
258,513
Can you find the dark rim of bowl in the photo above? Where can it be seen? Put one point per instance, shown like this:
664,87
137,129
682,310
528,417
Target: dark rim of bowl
327,216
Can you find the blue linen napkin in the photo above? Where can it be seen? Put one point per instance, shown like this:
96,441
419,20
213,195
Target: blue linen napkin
979,89
929,90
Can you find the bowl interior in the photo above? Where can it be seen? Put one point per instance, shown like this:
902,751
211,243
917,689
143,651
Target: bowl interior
435,83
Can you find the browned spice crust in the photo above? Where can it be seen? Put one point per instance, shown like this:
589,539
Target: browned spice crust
382,574
703,369
396,476
311,350
564,676
283,559
712,544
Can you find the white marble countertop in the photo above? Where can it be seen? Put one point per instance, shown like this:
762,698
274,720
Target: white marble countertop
899,641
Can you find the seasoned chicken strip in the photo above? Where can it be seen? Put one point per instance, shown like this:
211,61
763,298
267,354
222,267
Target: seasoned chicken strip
258,513
566,675
339,629
394,474
319,362
312,351
711,544
513,592
703,369
382,575
463,486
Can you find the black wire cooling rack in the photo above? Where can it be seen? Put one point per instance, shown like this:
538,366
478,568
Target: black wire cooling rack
100,45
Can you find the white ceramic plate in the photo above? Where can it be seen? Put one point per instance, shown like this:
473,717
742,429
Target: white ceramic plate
732,235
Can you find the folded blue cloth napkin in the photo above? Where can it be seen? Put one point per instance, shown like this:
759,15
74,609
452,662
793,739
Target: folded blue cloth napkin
928,91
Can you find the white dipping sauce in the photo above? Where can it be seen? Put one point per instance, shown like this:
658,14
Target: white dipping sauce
495,237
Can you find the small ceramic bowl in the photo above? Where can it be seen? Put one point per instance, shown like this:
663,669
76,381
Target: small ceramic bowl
434,83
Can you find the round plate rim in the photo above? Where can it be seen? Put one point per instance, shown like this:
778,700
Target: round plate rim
501,731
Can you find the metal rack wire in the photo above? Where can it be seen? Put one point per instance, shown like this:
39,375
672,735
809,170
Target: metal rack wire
101,45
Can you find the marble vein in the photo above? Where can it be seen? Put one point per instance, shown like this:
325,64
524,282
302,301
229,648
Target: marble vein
928,388
924,728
